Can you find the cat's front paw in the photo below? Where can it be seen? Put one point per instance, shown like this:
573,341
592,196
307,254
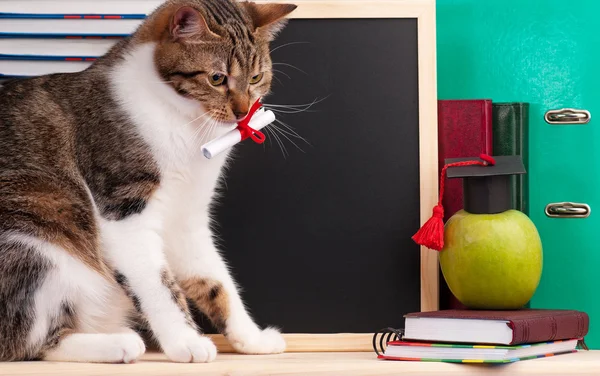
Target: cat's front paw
267,341
190,347
123,348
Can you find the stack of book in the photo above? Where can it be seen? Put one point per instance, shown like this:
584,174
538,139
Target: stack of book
478,336
61,36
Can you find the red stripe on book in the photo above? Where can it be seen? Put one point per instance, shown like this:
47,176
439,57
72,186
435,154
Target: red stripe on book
407,343
400,358
90,59
113,17
93,17
73,59
72,17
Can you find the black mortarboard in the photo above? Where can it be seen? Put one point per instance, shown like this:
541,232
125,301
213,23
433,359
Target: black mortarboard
486,189
486,183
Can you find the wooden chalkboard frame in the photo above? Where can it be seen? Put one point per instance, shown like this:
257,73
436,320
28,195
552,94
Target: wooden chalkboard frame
424,12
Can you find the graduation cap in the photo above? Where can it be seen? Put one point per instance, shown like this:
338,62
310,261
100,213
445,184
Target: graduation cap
486,190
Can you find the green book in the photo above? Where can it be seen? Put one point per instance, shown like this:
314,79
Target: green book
510,136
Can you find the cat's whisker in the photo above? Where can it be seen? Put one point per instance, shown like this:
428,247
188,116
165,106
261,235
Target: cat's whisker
210,132
197,139
267,141
287,153
212,129
281,146
173,134
190,122
282,72
287,44
290,131
292,109
204,128
278,80
268,131
279,142
291,106
286,105
289,139
205,132
291,66
201,129
288,112
208,114
142,82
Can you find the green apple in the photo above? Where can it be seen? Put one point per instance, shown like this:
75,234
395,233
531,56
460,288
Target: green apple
492,261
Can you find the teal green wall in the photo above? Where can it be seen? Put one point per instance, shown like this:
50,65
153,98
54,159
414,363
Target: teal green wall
547,53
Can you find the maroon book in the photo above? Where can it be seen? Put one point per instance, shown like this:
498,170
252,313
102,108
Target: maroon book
520,326
464,130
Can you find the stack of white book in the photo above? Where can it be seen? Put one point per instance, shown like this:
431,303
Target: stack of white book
56,36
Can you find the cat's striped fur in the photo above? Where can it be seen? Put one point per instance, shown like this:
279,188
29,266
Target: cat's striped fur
105,197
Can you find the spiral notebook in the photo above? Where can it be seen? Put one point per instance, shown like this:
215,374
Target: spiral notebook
463,353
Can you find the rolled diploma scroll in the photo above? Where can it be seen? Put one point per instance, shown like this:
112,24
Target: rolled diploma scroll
260,119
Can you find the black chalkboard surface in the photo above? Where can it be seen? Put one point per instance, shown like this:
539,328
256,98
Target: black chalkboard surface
319,238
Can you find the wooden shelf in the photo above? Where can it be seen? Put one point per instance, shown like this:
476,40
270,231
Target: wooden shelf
348,363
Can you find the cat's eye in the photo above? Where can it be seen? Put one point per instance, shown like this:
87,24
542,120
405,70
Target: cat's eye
256,79
217,79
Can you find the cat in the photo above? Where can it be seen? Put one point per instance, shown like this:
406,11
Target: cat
105,196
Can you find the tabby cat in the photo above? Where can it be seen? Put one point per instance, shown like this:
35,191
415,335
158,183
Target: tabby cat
105,195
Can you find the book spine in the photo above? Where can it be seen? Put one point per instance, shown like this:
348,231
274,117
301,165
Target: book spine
5,77
551,328
62,36
511,137
464,130
47,57
72,16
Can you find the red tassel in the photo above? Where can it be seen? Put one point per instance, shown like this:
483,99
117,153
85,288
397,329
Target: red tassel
431,234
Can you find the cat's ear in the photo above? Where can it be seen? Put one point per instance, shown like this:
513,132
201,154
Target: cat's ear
268,19
187,24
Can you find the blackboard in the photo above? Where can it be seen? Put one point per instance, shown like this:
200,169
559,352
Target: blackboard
319,239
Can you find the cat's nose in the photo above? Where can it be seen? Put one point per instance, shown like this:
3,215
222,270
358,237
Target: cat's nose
240,115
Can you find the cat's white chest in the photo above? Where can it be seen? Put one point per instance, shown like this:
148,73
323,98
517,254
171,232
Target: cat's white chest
187,194
192,185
